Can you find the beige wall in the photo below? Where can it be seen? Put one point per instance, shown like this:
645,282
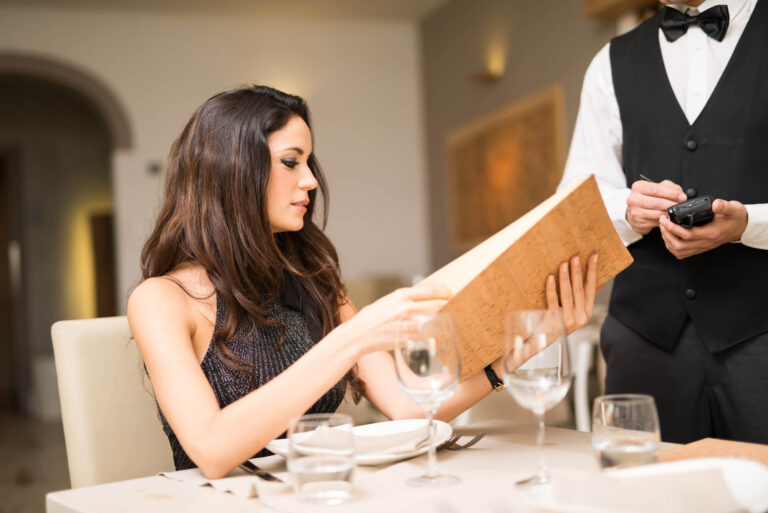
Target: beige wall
362,81
543,42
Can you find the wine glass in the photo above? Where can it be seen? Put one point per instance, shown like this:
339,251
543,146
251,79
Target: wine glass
625,430
537,371
428,365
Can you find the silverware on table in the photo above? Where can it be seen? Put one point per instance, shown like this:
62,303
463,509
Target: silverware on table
260,472
452,444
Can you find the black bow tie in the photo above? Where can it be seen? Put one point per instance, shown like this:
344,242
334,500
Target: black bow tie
713,21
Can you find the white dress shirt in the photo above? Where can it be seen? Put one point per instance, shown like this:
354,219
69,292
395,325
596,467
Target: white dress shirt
694,64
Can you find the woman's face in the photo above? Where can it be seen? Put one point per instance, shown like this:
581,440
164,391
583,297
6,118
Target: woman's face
290,178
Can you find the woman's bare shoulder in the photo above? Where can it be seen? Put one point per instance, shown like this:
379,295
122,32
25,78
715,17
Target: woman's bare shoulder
157,297
176,296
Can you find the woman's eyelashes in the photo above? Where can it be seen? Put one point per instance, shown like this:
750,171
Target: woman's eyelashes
290,163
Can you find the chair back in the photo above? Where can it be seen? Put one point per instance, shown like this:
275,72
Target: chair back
111,427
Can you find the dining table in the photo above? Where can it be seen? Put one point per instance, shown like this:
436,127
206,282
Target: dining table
488,471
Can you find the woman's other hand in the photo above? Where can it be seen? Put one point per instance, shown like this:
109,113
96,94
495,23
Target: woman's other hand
576,302
577,293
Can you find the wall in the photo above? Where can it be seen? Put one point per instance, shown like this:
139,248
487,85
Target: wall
540,43
362,81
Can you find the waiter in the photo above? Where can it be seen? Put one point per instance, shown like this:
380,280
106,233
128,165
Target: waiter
683,100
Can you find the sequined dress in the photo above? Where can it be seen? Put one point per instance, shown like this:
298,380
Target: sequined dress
261,350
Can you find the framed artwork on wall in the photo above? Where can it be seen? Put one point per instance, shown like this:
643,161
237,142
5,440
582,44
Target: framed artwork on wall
504,164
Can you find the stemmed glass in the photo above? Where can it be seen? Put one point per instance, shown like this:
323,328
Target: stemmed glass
537,371
625,430
428,365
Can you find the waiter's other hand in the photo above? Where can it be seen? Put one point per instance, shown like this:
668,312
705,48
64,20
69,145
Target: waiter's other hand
729,223
648,201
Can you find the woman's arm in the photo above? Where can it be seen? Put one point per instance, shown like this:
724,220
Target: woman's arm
576,299
162,320
217,439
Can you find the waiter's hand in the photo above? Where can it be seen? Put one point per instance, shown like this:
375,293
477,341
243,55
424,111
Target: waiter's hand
648,201
729,223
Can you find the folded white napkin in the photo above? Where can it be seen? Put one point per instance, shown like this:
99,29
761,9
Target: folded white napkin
369,490
238,482
702,491
389,443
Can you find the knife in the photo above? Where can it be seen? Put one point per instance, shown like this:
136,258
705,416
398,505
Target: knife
260,472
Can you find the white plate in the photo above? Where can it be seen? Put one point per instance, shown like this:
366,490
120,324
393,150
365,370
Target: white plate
376,434
747,480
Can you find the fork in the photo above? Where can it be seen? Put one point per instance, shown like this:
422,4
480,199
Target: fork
452,443
260,472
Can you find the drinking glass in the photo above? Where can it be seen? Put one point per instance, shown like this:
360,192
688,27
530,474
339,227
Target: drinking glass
428,365
625,430
537,370
322,457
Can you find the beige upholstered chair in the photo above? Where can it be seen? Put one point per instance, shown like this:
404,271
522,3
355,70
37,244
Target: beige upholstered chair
111,428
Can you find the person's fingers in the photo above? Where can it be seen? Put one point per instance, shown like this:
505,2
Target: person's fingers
590,285
706,234
674,188
679,248
720,207
427,306
666,189
577,287
650,202
645,217
553,302
566,297
426,291
678,231
407,328
666,233
725,208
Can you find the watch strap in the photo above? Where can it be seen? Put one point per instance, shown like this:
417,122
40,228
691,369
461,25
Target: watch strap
496,383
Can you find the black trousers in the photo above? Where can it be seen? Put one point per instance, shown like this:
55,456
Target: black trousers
698,394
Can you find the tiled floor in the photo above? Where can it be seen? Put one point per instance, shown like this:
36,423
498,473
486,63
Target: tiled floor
33,462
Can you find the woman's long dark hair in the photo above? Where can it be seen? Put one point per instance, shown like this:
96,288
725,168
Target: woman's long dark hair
214,214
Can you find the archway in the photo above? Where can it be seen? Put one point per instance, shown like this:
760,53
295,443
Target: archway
79,80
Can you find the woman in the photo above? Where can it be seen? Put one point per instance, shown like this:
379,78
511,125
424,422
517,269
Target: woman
242,319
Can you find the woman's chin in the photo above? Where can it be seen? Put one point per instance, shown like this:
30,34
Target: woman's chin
293,227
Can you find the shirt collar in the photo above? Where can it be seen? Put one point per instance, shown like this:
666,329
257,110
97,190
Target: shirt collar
735,7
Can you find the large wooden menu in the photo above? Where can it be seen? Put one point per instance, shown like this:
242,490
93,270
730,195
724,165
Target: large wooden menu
508,271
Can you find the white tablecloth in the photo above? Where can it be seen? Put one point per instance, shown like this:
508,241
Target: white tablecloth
488,472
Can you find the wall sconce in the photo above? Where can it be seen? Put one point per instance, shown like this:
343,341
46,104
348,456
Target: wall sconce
495,63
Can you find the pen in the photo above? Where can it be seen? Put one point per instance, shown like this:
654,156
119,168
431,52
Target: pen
649,180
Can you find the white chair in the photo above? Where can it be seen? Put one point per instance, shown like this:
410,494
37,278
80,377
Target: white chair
582,343
111,427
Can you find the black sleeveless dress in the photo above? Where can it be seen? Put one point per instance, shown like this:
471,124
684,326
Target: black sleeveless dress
261,350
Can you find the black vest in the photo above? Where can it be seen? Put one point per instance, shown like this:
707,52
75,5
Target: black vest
724,153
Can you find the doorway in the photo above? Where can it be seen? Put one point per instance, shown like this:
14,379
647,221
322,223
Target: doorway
56,219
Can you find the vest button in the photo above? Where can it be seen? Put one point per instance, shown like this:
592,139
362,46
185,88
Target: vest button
690,294
691,144
691,193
